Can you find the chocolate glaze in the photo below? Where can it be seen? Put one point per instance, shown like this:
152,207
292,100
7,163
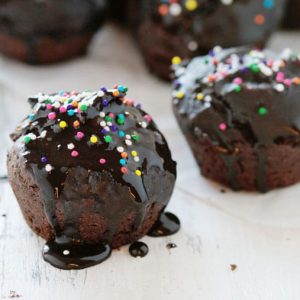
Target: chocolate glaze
188,33
52,17
138,249
292,16
66,182
67,255
167,224
254,94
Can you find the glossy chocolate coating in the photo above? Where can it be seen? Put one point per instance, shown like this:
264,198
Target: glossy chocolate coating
238,101
94,191
52,17
292,16
165,30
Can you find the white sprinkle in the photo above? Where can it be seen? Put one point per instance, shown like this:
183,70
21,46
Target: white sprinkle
279,87
102,114
175,9
102,123
71,146
100,94
193,45
120,149
48,168
128,142
136,159
66,252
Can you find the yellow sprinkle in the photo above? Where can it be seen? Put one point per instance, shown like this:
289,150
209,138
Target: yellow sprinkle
180,95
63,124
176,60
191,4
138,172
93,139
200,96
133,153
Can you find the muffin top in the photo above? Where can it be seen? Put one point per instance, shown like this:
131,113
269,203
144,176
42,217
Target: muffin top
25,17
240,95
206,23
99,131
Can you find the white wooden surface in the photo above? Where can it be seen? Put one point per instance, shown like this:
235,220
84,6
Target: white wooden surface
260,234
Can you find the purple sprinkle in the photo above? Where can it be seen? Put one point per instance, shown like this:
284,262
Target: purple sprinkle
138,106
104,131
104,102
113,128
103,89
44,159
69,106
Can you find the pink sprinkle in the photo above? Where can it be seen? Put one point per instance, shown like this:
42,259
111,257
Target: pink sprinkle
222,126
148,118
62,109
288,82
52,116
74,153
102,161
49,106
80,135
279,77
238,80
111,115
73,93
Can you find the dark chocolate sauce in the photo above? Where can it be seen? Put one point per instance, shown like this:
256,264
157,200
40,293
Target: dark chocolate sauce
67,255
167,224
171,246
138,249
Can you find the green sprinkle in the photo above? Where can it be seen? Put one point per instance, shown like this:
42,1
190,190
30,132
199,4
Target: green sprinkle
107,139
120,121
108,119
262,111
238,88
83,107
254,68
27,139
135,137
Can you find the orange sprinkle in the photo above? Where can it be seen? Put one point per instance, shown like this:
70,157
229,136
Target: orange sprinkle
163,9
124,154
296,80
259,19
74,103
116,93
76,124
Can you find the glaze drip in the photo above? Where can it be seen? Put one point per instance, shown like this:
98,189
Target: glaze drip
138,249
166,225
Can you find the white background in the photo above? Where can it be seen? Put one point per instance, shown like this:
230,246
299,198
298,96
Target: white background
260,234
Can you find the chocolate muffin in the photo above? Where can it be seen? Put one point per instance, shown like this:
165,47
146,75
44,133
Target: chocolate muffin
48,31
89,170
239,111
187,28
292,16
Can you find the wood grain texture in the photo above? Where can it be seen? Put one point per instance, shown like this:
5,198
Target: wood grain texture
260,234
